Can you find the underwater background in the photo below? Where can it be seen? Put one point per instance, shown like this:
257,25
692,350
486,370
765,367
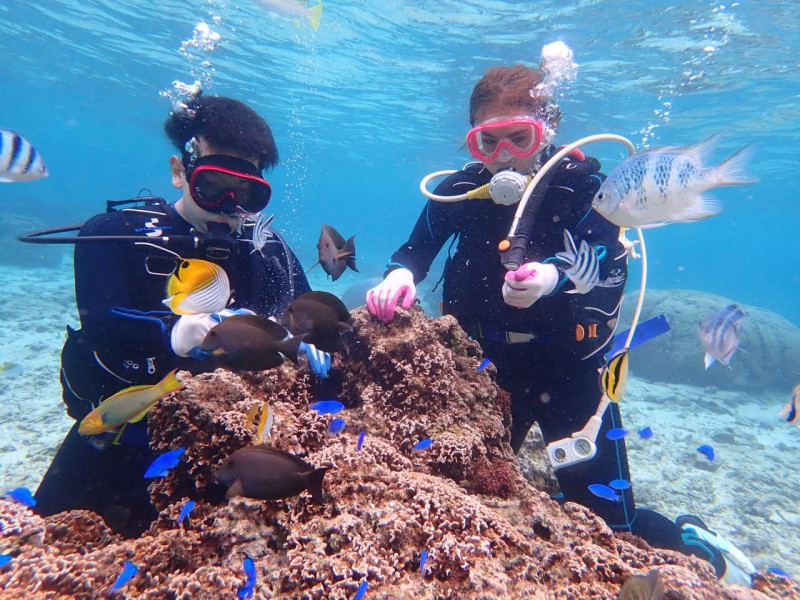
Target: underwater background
366,106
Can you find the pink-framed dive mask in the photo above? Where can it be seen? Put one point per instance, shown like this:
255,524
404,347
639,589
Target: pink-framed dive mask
521,136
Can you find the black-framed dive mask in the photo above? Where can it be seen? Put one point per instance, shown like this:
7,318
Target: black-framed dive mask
225,184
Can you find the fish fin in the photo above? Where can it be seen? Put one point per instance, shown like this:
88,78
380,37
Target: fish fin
702,152
289,348
350,261
733,170
235,489
315,16
250,417
703,207
335,237
314,484
708,360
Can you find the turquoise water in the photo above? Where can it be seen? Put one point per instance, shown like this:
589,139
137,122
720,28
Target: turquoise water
377,98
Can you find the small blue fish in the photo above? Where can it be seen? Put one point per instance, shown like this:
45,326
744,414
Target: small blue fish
128,573
423,558
164,463
779,572
362,591
423,445
604,492
617,433
707,451
337,425
22,495
5,559
327,407
361,437
246,591
646,433
619,484
484,363
187,508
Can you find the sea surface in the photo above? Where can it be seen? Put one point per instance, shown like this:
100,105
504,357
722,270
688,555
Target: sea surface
361,110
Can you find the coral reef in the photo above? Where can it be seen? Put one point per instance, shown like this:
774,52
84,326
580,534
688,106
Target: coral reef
487,532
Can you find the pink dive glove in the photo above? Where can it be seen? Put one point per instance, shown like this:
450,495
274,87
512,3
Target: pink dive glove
382,299
527,284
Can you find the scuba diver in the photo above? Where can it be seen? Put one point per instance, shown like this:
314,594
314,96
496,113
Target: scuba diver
545,310
123,258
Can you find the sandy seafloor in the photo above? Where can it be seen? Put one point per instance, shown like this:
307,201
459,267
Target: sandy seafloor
750,494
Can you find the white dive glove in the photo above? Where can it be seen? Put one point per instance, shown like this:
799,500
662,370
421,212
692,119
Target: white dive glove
190,330
382,299
530,282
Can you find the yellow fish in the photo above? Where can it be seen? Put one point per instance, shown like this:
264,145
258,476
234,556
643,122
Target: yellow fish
614,376
791,412
197,286
128,406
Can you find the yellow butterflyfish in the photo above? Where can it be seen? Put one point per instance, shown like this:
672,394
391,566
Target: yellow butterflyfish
197,286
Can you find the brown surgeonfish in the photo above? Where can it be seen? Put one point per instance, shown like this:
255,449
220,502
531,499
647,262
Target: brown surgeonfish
336,253
643,587
250,343
266,473
322,318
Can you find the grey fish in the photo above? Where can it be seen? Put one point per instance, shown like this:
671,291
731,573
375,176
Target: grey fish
584,265
250,343
666,185
266,473
19,160
643,587
336,253
322,318
720,334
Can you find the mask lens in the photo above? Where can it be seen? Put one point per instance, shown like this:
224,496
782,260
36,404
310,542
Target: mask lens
219,189
520,136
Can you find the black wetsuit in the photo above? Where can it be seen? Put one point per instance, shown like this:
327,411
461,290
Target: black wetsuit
553,378
124,340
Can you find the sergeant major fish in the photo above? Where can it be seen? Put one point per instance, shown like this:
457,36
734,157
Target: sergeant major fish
583,265
666,185
720,334
19,160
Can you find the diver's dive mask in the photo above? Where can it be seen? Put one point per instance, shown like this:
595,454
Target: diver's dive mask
228,185
504,137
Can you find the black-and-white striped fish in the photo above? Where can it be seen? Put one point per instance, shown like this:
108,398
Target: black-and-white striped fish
720,334
19,160
583,265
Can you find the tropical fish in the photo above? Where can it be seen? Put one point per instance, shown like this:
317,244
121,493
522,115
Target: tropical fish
11,370
327,407
197,287
583,266
5,560
185,511
720,335
423,558
22,495
128,406
19,160
337,425
616,434
246,591
262,233
666,185
362,591
643,587
619,484
603,491
335,254
791,412
423,445
250,343
707,451
128,573
361,437
614,376
265,424
293,10
266,473
645,433
322,317
484,363
164,463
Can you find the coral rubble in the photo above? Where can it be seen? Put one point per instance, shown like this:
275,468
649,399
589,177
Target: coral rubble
487,532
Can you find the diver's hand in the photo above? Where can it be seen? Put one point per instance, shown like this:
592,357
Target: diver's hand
530,282
189,332
382,299
318,361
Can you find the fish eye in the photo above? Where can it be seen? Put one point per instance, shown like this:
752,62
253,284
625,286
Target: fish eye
601,195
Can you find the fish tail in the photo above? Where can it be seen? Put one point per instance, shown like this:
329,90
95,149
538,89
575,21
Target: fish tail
733,171
170,383
315,16
289,348
708,360
314,484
